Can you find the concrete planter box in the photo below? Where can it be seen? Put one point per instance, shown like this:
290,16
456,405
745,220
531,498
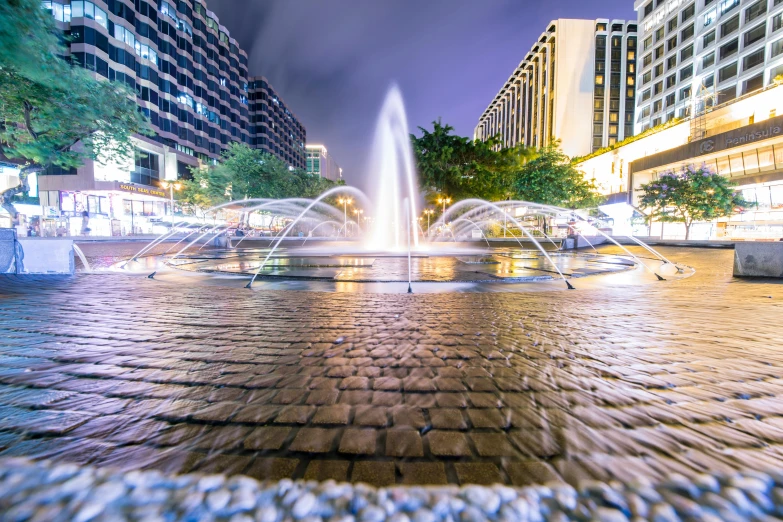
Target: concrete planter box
758,259
8,251
34,255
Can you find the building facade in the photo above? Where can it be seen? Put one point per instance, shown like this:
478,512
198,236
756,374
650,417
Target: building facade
576,85
700,53
321,163
273,127
741,139
191,80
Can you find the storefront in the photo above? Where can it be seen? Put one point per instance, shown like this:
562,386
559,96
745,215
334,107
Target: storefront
126,209
752,156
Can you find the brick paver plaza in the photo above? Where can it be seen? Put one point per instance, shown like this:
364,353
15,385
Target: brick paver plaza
506,387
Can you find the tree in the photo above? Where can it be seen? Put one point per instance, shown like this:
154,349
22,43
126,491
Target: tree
462,168
206,190
246,173
694,194
25,43
550,179
53,113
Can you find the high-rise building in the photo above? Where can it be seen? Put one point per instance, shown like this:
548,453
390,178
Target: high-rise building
699,53
274,128
576,85
320,162
191,80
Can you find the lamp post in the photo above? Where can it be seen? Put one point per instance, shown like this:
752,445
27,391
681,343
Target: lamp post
345,202
172,187
358,217
429,212
444,201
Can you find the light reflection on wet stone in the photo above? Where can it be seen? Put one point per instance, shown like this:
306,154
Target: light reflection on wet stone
596,384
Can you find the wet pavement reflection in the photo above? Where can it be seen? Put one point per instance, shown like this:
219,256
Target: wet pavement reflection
608,381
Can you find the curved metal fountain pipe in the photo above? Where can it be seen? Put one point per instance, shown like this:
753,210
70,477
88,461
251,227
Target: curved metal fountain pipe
325,194
523,229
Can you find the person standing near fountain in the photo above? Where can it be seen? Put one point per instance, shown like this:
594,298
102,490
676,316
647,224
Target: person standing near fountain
86,223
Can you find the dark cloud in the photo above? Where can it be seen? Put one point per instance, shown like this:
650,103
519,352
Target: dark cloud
333,60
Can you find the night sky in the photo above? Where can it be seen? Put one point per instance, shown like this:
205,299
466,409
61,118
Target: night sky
333,60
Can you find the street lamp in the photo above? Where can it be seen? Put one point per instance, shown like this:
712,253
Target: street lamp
345,202
358,217
429,212
172,187
444,201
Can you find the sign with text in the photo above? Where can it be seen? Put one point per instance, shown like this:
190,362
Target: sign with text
142,189
755,132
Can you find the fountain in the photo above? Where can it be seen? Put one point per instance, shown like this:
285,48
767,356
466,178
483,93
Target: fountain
338,250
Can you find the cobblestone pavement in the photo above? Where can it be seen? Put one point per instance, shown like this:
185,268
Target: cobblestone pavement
519,388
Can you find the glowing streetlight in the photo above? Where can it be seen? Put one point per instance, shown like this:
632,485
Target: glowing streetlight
358,216
445,201
345,202
429,212
172,187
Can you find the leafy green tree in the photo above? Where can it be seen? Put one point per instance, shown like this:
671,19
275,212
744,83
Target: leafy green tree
246,173
53,113
28,40
207,189
461,168
550,179
694,194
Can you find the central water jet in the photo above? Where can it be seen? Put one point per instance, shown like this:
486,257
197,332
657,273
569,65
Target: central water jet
394,171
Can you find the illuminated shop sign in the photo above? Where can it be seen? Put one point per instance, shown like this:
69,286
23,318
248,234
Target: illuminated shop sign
140,189
733,141
763,130
659,15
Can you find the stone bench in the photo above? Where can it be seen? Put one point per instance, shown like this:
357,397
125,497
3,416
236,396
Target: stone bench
758,259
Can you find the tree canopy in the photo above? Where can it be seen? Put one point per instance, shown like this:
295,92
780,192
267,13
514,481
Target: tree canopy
461,168
694,194
551,179
246,173
52,112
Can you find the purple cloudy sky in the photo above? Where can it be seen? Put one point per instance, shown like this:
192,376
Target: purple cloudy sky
333,60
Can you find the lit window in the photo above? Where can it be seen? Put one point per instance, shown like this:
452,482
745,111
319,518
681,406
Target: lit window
710,17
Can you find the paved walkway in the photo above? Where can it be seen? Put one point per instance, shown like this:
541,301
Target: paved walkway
516,388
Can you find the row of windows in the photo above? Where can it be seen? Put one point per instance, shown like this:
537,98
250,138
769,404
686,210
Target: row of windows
90,36
77,9
119,55
89,10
